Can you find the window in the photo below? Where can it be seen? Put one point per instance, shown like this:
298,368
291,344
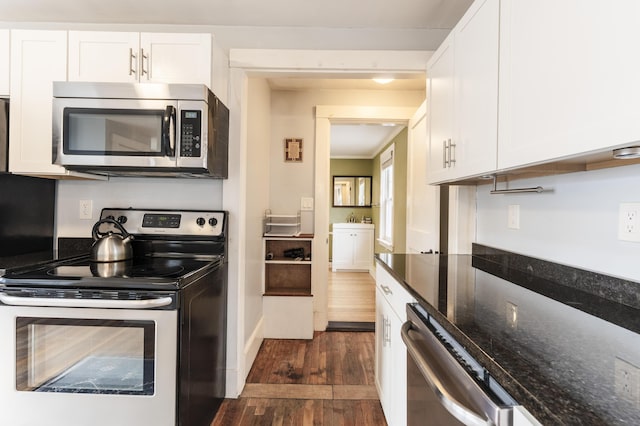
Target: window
386,198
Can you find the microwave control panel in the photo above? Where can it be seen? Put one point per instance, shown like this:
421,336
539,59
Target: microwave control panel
190,133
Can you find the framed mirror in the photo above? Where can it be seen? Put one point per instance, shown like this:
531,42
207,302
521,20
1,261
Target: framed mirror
352,191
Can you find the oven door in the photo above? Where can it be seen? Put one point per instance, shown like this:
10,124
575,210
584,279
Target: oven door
97,365
114,133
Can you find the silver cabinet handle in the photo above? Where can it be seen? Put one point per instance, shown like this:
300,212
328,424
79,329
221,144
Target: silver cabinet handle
454,407
87,303
144,71
388,339
452,153
445,162
386,289
132,57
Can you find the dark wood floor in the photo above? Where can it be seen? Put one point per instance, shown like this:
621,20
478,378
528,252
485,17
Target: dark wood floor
325,381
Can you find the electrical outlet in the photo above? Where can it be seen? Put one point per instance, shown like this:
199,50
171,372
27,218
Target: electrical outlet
627,380
512,315
628,222
86,207
513,216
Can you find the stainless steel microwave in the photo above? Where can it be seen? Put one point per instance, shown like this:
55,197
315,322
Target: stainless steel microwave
129,129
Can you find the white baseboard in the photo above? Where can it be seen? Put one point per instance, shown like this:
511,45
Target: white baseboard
236,378
252,346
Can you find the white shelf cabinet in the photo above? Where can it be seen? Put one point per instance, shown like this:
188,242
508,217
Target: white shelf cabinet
462,85
287,301
140,57
391,355
352,247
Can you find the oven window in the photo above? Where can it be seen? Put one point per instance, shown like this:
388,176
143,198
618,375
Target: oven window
90,131
85,356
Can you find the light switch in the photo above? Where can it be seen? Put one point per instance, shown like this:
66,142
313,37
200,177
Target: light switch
306,203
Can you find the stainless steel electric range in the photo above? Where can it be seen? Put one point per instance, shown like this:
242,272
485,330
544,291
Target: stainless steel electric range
133,342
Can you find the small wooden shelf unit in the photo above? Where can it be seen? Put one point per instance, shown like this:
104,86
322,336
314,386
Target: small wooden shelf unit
287,276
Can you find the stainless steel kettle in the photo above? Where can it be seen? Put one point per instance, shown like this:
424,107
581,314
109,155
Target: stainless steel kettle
109,246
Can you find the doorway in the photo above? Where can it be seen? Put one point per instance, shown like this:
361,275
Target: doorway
355,149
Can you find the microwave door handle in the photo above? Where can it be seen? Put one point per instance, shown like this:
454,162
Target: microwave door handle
169,131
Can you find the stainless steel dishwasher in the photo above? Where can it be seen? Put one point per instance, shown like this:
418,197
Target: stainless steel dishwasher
445,385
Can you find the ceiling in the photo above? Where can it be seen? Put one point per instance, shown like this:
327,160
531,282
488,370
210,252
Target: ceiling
327,24
397,14
361,140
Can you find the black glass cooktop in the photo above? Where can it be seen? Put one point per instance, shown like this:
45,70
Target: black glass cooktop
139,272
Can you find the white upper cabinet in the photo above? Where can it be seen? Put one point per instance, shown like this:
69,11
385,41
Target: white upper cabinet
569,79
440,101
37,59
462,89
143,57
5,67
104,56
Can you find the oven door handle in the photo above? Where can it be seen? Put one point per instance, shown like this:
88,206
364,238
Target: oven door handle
85,303
457,409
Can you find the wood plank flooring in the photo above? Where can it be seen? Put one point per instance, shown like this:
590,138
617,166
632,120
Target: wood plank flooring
325,381
352,297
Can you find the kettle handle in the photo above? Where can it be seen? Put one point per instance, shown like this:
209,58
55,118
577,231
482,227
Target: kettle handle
97,234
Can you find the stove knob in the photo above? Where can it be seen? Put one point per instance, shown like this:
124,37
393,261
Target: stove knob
213,221
200,221
122,219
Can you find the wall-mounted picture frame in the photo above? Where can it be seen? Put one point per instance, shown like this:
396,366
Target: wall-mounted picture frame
293,150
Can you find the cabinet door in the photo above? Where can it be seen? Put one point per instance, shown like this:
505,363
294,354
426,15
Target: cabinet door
103,56
37,59
398,353
362,249
176,58
423,201
384,366
342,250
569,80
440,104
5,51
476,90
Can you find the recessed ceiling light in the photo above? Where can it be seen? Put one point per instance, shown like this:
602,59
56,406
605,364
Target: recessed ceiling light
626,153
383,80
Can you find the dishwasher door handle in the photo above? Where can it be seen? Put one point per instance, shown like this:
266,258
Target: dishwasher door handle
454,407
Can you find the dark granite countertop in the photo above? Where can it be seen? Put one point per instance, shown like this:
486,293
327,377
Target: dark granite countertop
25,259
562,353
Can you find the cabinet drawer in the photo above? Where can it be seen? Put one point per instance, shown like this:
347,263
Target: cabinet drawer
393,292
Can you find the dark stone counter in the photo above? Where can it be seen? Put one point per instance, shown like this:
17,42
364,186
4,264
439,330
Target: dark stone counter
555,337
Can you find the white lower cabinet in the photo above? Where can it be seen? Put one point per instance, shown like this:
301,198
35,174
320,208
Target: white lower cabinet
352,247
391,356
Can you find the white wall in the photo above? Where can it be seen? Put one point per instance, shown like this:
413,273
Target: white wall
153,193
576,224
258,136
293,115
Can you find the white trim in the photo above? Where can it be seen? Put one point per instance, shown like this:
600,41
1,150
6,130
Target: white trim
333,61
385,244
252,347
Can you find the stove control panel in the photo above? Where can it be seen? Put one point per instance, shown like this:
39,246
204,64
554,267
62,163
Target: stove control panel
206,223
